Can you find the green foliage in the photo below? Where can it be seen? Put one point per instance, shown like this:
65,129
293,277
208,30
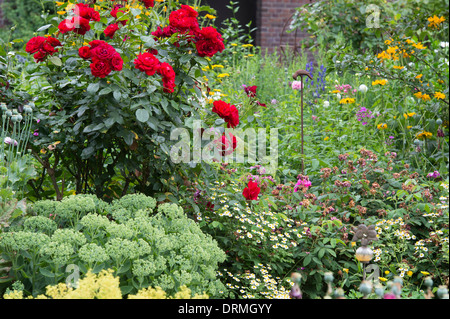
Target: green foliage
26,16
165,249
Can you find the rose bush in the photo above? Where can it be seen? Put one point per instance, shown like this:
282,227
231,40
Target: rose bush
109,88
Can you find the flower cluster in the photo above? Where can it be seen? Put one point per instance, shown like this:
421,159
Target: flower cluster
104,58
251,93
148,63
252,191
184,22
229,113
363,114
303,183
42,47
80,22
435,21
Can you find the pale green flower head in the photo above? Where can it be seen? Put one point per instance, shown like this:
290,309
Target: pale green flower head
40,224
58,253
92,253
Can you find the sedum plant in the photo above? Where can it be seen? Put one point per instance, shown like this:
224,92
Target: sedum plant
162,249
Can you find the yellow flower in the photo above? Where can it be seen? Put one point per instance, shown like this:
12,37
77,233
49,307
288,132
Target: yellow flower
346,270
426,97
419,76
439,95
247,45
387,272
398,67
336,91
419,46
382,126
409,273
234,44
409,127
61,12
425,273
380,82
347,100
217,66
222,75
424,135
411,114
210,16
353,244
326,138
435,21
59,3
382,279
418,95
387,42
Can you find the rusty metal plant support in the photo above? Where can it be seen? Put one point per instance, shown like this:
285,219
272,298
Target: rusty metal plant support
302,73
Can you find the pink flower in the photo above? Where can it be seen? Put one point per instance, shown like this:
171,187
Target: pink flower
297,85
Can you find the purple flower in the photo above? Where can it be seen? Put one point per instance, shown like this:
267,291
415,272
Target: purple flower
435,174
389,296
364,113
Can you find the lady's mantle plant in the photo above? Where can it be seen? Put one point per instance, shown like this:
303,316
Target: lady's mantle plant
110,81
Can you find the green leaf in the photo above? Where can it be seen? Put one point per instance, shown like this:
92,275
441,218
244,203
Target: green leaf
307,260
105,91
55,60
43,28
315,164
93,88
117,95
142,115
45,272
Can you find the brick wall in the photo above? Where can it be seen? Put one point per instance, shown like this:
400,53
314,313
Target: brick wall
272,20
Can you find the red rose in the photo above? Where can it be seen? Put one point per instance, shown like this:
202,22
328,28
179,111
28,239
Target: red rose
54,42
97,43
100,68
84,52
114,12
148,3
65,26
152,51
111,30
184,19
146,62
35,44
42,47
168,77
261,104
251,90
209,42
224,144
228,112
102,50
252,191
80,25
117,62
40,56
86,12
